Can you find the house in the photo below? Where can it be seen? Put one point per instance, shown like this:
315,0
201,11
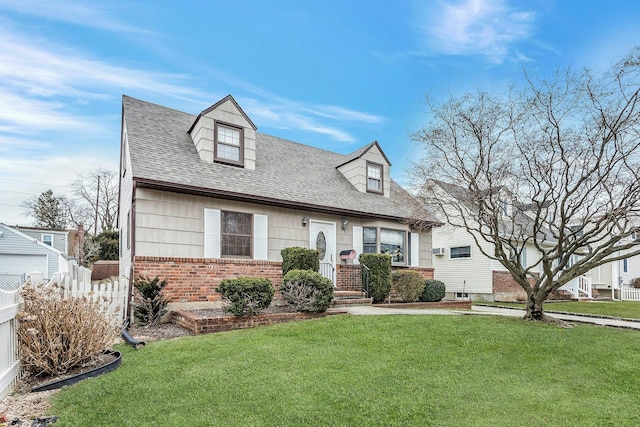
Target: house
460,262
69,242
206,197
22,254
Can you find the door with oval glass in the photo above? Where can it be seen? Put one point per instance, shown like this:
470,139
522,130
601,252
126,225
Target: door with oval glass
322,236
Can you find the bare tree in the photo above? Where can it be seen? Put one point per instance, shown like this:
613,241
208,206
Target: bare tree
555,166
99,191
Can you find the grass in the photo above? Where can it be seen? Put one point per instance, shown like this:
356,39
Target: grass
624,309
373,371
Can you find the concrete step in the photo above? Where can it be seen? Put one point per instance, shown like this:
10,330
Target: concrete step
339,293
351,301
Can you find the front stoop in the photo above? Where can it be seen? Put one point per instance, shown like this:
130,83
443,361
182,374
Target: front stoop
342,297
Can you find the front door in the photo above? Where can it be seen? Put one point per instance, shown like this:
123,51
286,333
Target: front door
322,236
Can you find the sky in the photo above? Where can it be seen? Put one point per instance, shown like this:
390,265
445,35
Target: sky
332,74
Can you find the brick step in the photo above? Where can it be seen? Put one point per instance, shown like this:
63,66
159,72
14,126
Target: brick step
351,301
339,293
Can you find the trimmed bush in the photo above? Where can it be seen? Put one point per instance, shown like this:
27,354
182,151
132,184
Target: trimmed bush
296,258
307,290
149,305
57,333
434,291
246,296
379,275
408,284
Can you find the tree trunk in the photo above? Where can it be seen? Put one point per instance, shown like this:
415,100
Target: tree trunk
534,306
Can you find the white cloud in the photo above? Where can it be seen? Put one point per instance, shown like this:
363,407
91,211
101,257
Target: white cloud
476,27
85,13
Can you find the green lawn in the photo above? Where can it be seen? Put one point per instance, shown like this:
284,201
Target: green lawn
625,309
371,371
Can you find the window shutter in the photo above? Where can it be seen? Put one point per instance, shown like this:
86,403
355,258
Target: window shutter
211,233
260,234
415,250
357,242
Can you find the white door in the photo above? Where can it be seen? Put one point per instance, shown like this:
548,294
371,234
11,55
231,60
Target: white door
322,236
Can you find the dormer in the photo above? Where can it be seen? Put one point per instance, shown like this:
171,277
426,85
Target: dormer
224,134
368,170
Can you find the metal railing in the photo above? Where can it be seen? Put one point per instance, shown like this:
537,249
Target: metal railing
328,270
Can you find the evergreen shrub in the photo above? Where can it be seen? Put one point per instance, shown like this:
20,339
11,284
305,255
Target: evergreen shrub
297,258
434,291
379,275
307,290
409,285
149,304
246,296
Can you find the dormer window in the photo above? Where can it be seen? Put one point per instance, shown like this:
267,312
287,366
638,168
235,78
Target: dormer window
374,177
229,144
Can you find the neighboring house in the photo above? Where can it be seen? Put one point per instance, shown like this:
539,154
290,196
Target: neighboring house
69,242
21,255
469,274
609,278
205,197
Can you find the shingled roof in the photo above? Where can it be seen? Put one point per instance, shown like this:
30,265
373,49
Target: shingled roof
287,173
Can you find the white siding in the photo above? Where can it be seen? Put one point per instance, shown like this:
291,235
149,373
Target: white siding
357,242
260,237
415,250
212,233
125,212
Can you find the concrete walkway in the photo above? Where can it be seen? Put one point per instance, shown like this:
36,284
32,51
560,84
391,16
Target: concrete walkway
362,310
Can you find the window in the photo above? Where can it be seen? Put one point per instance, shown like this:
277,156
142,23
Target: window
236,234
460,252
462,295
47,239
374,177
391,242
369,240
229,144
522,258
625,265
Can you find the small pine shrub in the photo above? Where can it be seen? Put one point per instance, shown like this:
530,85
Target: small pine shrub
58,333
149,303
379,275
307,290
297,258
246,296
408,284
434,291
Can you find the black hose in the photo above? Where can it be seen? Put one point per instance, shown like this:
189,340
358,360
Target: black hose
128,338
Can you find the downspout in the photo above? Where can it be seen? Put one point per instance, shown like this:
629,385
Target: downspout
132,254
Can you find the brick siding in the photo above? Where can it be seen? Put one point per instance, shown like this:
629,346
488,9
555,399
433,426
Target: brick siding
195,279
505,288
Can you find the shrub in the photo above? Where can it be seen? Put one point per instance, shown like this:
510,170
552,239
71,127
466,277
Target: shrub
307,290
296,258
379,275
434,291
246,296
149,303
635,282
408,284
58,333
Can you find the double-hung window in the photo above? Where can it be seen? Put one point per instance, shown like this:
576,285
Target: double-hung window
47,239
374,178
236,234
229,144
385,241
369,240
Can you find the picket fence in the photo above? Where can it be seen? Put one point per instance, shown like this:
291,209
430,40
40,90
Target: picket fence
629,294
9,362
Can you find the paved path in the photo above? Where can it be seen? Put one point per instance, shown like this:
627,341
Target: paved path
487,310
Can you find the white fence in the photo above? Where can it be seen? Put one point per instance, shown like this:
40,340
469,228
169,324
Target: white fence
9,362
629,294
112,294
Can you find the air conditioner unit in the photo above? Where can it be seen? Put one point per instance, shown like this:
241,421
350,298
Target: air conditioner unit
438,251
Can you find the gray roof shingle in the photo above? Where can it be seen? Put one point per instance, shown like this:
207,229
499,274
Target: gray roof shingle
286,173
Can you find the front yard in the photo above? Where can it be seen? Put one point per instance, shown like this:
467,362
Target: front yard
374,371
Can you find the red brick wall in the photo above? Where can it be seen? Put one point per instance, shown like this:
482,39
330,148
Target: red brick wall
348,276
195,279
505,288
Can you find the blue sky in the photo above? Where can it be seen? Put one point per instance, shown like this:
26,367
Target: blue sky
332,74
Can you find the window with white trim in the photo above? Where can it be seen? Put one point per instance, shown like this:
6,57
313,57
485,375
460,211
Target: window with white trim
47,239
229,144
374,177
385,241
625,265
460,252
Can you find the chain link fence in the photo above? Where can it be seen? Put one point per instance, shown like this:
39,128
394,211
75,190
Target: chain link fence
11,282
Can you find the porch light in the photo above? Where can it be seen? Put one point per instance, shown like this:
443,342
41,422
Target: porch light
305,220
344,224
